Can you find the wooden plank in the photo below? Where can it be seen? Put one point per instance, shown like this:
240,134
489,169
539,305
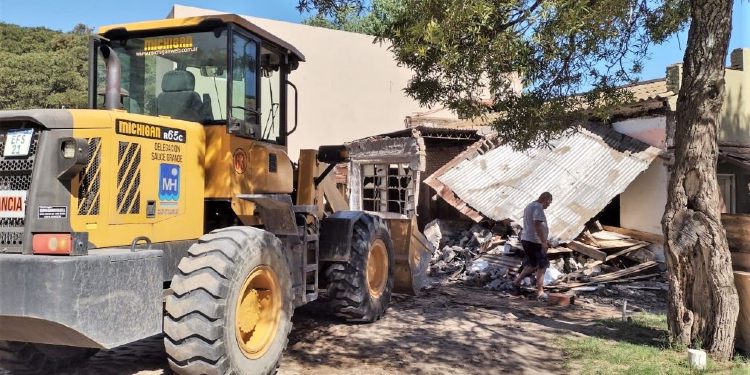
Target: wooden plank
623,272
637,234
738,232
559,250
588,239
619,244
606,235
587,250
742,282
622,280
741,261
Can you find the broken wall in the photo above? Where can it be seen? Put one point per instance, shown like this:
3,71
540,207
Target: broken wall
428,208
583,171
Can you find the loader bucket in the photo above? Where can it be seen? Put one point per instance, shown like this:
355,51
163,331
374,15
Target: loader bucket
412,252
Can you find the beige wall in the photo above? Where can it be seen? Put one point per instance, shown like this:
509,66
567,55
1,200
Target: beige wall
349,88
735,114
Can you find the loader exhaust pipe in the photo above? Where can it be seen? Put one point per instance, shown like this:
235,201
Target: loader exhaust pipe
112,90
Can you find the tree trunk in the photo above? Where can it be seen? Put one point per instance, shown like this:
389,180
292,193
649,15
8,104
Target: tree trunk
702,302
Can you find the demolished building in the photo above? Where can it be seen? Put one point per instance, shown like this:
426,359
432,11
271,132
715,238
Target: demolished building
583,171
386,171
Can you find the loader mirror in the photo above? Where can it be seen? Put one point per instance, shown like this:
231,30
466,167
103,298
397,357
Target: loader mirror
212,71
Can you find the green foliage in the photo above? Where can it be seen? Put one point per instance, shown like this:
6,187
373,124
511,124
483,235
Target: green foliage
463,51
42,68
372,20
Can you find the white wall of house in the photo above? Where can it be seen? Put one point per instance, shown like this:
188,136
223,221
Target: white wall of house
349,87
650,130
642,203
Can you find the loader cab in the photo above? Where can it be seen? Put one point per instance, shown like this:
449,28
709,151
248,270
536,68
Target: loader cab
214,70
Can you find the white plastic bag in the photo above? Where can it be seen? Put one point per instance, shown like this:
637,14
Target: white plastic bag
479,265
551,274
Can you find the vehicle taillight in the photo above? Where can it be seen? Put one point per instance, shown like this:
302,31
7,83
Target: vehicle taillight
52,244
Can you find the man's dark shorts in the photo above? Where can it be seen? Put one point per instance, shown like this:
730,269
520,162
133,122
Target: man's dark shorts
535,257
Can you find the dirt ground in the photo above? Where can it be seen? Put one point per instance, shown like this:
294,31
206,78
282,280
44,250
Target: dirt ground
450,329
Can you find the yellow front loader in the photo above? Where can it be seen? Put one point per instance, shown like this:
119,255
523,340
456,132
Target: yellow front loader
171,206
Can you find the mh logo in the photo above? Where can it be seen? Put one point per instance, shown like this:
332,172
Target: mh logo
169,182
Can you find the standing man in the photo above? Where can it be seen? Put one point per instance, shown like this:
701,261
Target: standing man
534,241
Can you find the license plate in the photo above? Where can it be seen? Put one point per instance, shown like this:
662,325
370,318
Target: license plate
18,142
12,203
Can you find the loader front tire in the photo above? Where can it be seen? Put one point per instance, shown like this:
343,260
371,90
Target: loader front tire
231,305
360,290
30,358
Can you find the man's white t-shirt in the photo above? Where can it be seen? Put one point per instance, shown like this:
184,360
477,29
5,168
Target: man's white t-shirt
533,212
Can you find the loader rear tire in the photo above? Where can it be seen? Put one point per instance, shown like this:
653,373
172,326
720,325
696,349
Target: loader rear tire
231,305
30,358
360,290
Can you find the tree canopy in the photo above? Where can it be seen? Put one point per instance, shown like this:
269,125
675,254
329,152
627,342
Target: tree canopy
42,68
463,51
353,18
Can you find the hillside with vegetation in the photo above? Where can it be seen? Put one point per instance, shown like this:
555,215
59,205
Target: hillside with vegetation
43,68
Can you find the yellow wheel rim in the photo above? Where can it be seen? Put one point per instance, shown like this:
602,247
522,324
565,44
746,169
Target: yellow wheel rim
377,268
258,312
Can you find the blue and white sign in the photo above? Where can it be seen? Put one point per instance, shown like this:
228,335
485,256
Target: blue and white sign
169,182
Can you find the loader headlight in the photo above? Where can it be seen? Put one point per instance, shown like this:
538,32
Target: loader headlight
69,148
74,155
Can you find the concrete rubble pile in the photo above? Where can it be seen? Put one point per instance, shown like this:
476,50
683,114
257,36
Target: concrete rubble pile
490,255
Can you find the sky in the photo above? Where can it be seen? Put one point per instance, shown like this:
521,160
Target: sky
63,15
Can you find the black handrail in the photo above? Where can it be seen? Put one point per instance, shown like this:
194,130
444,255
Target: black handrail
296,106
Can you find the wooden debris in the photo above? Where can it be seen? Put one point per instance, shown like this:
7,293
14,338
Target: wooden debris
640,287
625,251
587,238
559,250
619,244
587,250
636,234
624,272
613,277
609,236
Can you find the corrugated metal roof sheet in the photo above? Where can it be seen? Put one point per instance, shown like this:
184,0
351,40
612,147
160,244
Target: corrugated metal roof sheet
583,171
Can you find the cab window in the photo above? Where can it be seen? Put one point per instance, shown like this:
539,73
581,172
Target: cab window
244,79
270,95
182,76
